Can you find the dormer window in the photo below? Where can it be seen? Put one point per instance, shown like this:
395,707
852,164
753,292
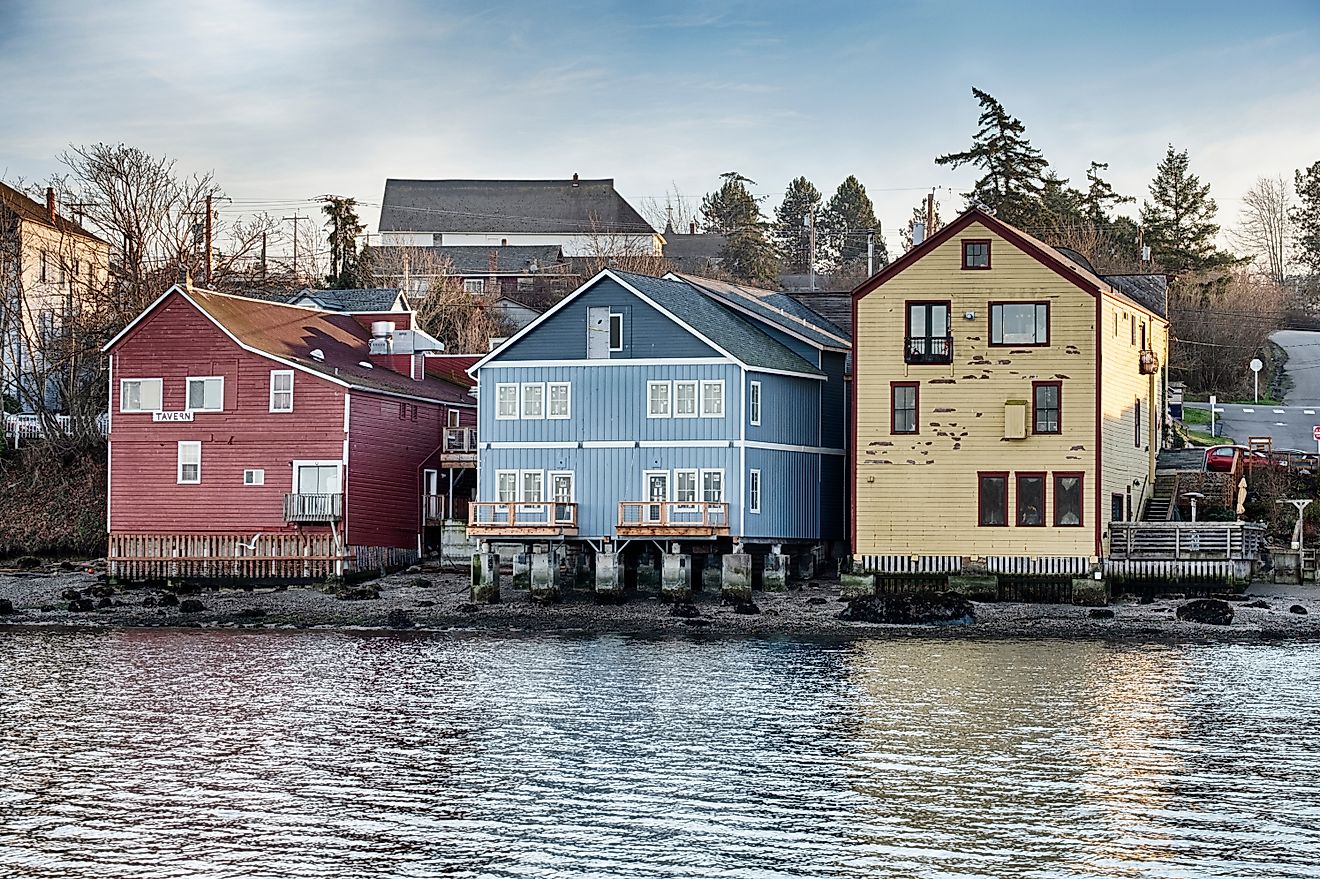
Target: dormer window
976,253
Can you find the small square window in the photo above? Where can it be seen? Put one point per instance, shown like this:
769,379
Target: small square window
254,477
976,254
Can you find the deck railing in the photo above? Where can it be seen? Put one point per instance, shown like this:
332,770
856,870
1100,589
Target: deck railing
522,517
21,428
460,440
433,508
1185,541
313,507
673,517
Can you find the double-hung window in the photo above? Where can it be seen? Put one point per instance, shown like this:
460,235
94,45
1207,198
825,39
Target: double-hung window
685,399
533,486
1019,323
927,337
506,486
190,463
685,486
754,403
560,400
657,400
206,394
903,407
712,486
506,402
533,400
712,399
140,395
281,390
1046,407
992,499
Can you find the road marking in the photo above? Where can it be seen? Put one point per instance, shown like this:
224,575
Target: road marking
1219,411
1308,411
1249,411
1279,424
1278,411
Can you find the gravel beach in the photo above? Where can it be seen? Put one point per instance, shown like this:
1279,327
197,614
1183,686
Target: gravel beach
436,600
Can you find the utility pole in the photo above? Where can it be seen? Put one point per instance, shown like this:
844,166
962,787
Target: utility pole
870,252
930,213
295,218
263,256
210,230
810,221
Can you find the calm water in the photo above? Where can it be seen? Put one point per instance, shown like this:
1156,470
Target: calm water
162,754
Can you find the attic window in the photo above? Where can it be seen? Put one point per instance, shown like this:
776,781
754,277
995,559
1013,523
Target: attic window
976,254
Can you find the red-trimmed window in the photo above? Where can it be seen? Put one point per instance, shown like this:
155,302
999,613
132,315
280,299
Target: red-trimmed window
992,500
1068,500
1021,324
1047,407
904,407
976,253
1031,500
927,337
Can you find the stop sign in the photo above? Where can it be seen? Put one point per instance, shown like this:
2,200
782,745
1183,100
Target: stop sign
1315,432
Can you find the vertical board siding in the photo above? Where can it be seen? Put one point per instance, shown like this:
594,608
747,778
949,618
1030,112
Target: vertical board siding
834,401
647,332
917,494
385,458
790,496
790,409
176,342
833,497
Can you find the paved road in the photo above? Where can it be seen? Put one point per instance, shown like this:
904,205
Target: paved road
1303,365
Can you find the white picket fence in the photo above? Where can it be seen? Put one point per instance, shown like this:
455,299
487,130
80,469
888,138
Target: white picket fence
30,428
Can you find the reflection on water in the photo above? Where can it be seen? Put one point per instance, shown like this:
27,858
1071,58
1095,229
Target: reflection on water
159,754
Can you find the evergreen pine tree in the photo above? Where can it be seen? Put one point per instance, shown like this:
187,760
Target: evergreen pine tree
1306,217
844,225
1011,182
732,210
1178,221
1100,198
801,199
344,227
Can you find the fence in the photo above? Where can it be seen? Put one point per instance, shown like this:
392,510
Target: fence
31,428
224,556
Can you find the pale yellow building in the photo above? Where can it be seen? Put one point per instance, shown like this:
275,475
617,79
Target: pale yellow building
51,269
1008,404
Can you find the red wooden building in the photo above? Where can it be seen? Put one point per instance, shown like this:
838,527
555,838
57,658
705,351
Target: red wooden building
253,439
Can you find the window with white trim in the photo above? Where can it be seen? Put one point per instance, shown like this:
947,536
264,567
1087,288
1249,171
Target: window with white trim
533,486
657,400
616,331
754,402
506,486
190,462
561,486
474,285
712,399
506,402
254,477
206,394
560,400
140,394
281,390
685,399
712,486
685,486
533,400
754,491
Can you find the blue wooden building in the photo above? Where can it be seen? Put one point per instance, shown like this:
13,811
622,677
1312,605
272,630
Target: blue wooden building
675,412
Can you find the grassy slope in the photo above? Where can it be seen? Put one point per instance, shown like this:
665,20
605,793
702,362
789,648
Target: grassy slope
52,508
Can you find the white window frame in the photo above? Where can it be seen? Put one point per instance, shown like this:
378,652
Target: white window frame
696,485
500,475
522,401
474,285
453,418
613,316
187,400
702,486
572,485
274,373
550,389
696,399
123,396
522,486
339,474
517,402
754,491
669,400
711,384
254,476
754,403
178,472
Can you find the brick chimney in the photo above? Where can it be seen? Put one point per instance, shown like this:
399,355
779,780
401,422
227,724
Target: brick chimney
50,203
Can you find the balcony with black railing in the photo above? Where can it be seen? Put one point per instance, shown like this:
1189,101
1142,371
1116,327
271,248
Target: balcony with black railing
928,349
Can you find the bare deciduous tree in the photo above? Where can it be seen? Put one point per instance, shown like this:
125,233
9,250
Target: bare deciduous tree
1264,228
465,322
1220,320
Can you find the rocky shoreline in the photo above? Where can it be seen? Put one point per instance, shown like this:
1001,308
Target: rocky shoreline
428,599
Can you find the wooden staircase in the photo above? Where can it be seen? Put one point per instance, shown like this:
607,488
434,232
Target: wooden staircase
1163,498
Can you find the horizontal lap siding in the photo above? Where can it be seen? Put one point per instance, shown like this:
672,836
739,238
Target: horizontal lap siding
605,477
177,342
918,494
1127,466
790,496
384,460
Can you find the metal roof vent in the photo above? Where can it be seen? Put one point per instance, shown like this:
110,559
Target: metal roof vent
365,364
318,355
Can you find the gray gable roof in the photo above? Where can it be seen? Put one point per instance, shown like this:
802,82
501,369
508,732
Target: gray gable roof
776,309
544,206
717,323
356,299
511,258
1149,291
694,253
836,306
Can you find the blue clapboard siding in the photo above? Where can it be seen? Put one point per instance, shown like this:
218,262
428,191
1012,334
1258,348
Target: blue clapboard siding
604,477
790,409
647,333
790,495
608,403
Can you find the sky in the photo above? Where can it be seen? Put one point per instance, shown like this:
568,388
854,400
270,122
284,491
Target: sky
291,100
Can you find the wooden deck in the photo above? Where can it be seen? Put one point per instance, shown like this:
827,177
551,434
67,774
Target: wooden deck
495,519
672,519
459,450
1183,550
